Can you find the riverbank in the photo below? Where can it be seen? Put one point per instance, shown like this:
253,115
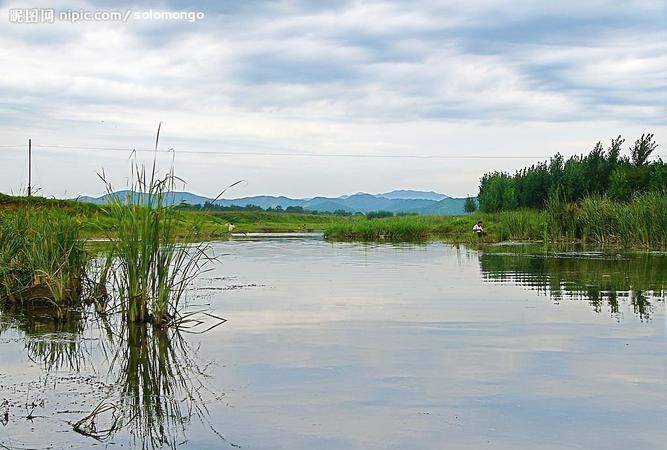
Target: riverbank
96,222
520,225
640,223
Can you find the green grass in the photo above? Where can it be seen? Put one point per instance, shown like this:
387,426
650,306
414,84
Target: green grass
96,222
41,255
42,251
640,223
150,264
263,221
407,228
43,243
515,225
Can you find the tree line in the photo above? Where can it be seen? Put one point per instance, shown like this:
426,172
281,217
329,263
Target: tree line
208,206
602,172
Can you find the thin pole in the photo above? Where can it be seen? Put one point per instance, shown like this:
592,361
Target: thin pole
29,167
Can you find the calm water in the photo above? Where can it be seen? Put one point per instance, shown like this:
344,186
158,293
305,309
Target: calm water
350,346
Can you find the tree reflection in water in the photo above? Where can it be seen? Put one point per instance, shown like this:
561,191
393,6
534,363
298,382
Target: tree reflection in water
598,278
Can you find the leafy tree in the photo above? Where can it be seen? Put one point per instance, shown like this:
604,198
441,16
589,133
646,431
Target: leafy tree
615,150
619,188
379,214
497,192
470,205
642,149
599,172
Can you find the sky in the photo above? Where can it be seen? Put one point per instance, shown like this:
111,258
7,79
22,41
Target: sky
305,98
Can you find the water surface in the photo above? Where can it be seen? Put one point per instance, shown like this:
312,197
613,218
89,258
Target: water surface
332,346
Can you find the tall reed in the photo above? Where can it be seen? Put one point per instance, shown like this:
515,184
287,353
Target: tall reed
641,222
152,267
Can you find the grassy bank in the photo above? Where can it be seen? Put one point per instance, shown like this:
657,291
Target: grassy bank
640,223
96,222
41,256
44,256
515,225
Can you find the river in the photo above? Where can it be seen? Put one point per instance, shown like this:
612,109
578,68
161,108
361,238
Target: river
360,346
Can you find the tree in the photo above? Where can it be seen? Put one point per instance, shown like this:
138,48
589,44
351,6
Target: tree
470,205
642,149
598,173
379,214
615,150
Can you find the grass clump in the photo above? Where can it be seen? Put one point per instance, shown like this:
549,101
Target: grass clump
151,265
642,222
41,256
386,229
519,225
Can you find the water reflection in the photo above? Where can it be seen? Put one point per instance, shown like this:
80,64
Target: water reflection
367,347
160,386
156,384
599,278
53,343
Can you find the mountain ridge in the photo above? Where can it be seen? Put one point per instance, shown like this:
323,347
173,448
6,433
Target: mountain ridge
397,201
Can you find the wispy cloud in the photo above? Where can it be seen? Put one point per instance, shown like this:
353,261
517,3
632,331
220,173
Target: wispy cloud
344,76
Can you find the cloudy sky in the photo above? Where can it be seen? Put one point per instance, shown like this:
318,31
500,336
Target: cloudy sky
389,94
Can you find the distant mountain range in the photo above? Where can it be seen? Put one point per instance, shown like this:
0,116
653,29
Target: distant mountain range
407,201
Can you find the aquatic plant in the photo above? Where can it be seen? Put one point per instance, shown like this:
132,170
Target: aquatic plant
522,224
152,266
639,223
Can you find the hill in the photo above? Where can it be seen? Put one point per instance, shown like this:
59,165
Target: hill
405,201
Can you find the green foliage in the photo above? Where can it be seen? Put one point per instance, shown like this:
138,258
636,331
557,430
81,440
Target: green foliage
152,267
41,256
641,222
395,229
642,149
497,192
470,205
599,172
519,225
379,214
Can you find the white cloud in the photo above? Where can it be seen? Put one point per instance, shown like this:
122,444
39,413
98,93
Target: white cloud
364,77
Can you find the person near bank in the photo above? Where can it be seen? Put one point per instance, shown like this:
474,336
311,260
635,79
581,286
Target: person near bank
479,229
